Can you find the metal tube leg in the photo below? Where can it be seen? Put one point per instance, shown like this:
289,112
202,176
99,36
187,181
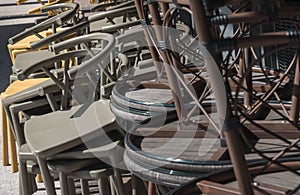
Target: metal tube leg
294,114
33,184
133,185
151,188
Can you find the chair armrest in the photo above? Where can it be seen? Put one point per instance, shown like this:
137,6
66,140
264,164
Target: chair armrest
57,19
59,35
64,16
94,18
48,63
101,7
124,4
95,61
111,13
115,27
76,41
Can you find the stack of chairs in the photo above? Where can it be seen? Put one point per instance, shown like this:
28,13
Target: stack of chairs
255,99
158,97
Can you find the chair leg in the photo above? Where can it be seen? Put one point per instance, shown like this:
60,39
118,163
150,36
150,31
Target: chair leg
133,185
103,186
4,139
71,186
119,182
33,184
112,185
47,179
23,175
84,187
151,188
21,191
63,183
13,150
108,184
137,185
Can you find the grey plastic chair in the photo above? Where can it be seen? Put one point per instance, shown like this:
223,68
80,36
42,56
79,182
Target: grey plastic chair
63,132
100,171
95,23
29,98
23,60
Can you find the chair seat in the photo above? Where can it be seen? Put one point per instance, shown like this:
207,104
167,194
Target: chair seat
24,60
55,132
20,86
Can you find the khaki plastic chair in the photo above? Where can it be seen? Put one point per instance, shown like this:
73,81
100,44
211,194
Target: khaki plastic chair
62,115
7,134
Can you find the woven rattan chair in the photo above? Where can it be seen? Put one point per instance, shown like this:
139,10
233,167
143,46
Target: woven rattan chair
247,84
244,97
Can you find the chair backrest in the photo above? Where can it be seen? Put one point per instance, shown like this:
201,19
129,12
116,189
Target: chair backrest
68,12
87,61
84,26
